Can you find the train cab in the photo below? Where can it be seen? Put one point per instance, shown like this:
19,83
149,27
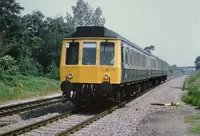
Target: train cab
98,63
90,64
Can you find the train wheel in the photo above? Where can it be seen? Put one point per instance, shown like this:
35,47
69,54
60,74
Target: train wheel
78,106
118,97
131,93
145,86
123,94
138,89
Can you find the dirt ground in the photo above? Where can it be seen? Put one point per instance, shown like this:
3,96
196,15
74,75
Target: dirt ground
168,121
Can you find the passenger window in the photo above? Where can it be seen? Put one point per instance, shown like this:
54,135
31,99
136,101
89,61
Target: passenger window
132,58
107,53
141,60
72,52
89,53
129,58
137,59
126,52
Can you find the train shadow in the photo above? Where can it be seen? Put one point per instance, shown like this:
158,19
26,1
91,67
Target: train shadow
65,107
59,109
52,109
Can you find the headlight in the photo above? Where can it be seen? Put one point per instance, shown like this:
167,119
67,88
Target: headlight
70,76
106,76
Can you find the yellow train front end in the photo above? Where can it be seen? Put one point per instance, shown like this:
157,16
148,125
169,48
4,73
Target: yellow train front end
90,67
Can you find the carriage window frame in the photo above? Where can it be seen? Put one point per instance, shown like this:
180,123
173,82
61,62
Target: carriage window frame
129,59
74,58
126,55
132,55
91,60
137,59
111,62
142,60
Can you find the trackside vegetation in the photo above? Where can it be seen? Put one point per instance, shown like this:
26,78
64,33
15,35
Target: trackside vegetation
192,96
194,121
192,84
30,47
32,87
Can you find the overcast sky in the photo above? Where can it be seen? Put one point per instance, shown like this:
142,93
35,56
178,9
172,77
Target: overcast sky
173,26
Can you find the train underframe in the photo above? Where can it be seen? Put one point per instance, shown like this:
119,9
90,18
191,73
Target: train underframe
83,93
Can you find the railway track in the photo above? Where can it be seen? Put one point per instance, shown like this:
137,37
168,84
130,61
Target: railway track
16,108
71,119
84,123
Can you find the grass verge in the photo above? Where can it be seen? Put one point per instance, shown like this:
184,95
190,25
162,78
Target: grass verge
195,121
191,118
192,96
32,87
192,84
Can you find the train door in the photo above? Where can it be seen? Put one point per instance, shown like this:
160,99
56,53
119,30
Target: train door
122,62
149,67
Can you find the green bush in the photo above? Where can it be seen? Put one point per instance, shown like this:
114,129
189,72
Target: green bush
8,65
29,66
193,87
32,86
53,71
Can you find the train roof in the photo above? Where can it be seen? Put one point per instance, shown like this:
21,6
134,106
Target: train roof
99,31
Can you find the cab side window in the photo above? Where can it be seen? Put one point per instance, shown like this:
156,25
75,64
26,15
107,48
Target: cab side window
72,53
126,56
89,53
107,51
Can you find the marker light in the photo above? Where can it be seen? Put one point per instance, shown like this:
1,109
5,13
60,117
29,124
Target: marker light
70,76
106,76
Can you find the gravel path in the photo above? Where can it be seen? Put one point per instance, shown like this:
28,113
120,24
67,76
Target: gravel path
139,118
29,117
58,126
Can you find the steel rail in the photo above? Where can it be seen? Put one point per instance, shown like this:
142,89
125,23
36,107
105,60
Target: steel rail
86,122
44,122
77,126
16,108
35,125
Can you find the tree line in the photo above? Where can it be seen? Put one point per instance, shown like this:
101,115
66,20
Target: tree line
197,63
31,44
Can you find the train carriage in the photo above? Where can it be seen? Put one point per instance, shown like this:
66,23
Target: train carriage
97,63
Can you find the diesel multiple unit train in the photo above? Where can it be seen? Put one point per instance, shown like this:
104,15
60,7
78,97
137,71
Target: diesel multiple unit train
98,64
